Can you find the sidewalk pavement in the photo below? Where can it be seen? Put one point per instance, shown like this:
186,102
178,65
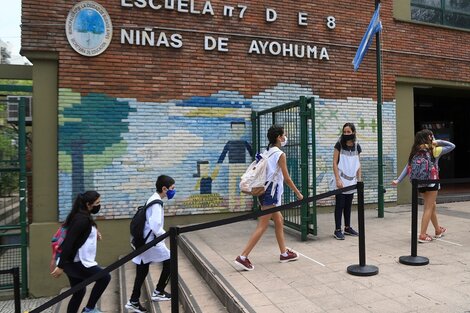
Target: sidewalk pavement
8,306
319,282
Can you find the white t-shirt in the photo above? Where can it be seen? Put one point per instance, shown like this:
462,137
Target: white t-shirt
87,252
274,173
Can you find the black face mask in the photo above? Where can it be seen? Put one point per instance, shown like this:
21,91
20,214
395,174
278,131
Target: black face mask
348,137
95,209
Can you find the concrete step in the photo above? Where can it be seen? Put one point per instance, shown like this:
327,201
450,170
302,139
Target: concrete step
8,201
10,215
126,282
194,293
109,301
210,266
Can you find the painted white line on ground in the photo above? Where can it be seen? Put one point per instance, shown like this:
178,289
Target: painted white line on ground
310,258
452,243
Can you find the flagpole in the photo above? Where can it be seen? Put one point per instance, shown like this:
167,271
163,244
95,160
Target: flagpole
380,186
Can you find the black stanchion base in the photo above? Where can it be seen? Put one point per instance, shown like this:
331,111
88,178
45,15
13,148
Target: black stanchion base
366,270
414,260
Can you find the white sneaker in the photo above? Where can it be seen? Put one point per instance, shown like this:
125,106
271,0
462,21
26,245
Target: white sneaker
160,296
135,307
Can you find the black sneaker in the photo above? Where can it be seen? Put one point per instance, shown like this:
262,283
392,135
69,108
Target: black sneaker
135,307
338,234
160,296
350,231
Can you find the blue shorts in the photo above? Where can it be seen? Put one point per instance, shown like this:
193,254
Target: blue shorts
266,199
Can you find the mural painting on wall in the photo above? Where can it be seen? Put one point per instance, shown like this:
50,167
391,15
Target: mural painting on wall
119,146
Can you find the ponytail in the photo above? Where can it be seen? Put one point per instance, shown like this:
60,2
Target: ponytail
80,205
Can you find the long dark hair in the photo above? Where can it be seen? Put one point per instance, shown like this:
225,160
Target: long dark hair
80,205
353,129
274,132
422,138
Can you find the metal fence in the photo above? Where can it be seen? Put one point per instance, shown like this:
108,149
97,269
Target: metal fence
297,119
13,220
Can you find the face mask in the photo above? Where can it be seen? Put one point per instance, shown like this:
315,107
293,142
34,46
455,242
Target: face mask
95,209
348,137
283,143
170,193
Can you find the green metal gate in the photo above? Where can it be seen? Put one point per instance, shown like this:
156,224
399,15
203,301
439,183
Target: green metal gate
13,219
297,118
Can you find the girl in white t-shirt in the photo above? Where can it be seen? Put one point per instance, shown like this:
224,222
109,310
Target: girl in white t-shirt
77,258
347,170
277,174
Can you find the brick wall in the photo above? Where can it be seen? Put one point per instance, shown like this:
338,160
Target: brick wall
164,109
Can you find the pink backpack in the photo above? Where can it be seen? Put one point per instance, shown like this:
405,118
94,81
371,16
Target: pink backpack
56,241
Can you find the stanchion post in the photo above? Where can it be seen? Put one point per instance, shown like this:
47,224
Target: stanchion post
362,269
16,288
174,269
414,259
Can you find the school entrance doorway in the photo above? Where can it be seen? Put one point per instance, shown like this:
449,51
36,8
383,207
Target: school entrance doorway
446,112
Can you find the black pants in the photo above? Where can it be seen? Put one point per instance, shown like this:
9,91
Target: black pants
77,273
343,207
141,271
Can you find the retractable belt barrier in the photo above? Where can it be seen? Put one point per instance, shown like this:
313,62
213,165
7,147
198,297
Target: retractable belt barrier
414,259
175,231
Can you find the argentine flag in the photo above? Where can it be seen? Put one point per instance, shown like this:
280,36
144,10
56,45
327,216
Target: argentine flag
375,26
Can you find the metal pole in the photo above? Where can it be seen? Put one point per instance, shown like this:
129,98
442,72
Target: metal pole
16,287
22,192
413,259
361,269
304,221
380,186
414,218
360,222
174,269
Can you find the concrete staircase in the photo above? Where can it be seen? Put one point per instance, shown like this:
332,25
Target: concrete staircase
109,301
9,211
195,294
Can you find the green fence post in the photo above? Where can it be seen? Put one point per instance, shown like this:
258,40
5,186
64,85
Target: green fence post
22,191
314,166
304,115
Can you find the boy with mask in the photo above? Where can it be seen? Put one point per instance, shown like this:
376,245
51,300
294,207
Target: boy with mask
165,188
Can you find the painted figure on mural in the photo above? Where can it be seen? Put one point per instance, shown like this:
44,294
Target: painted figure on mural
236,150
204,183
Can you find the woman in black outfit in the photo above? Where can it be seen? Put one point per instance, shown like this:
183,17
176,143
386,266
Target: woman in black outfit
78,254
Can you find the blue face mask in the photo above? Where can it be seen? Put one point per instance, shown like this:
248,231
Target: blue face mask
170,193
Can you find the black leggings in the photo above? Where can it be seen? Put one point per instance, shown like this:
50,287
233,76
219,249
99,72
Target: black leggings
77,272
343,206
141,271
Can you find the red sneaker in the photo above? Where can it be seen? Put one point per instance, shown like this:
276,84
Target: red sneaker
291,256
244,265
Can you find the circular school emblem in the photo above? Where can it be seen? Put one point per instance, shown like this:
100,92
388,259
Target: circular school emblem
88,28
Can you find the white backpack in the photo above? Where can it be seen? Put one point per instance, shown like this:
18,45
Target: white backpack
254,181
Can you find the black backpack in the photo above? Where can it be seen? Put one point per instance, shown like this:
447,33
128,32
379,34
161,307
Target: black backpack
138,224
